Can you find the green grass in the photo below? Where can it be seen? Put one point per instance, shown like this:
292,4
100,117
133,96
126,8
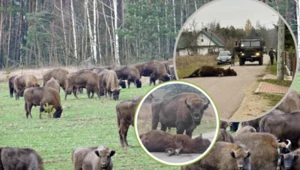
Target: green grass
296,84
84,122
272,69
272,98
277,82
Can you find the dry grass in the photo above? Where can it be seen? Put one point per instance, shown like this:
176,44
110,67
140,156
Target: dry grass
185,65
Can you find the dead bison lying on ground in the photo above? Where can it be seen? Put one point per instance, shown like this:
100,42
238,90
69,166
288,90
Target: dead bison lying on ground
59,74
93,158
183,111
88,80
19,159
23,82
11,86
129,73
224,156
40,96
125,115
160,141
53,83
109,81
210,71
154,69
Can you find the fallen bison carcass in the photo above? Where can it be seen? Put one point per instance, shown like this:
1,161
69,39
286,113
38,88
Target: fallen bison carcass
160,141
210,71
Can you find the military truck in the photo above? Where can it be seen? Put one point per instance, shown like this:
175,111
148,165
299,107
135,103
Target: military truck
250,49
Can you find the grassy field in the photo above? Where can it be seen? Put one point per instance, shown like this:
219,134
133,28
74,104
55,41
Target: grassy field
84,122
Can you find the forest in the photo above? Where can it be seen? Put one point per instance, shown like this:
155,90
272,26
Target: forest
38,33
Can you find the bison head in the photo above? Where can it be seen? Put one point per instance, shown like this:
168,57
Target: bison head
289,160
241,154
122,83
196,108
116,93
104,155
165,78
230,72
57,112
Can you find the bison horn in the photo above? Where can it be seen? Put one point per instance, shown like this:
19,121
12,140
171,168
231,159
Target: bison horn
187,103
289,144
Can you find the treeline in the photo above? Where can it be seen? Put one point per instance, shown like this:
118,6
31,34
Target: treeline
36,33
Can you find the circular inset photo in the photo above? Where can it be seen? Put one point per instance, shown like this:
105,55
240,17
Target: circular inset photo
242,53
176,123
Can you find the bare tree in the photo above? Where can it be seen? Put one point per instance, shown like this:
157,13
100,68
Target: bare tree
74,29
117,57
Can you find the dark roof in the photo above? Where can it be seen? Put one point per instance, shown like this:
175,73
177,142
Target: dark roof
190,39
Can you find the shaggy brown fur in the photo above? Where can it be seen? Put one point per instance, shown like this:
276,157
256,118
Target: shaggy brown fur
210,71
23,82
225,136
224,156
11,85
40,96
129,73
291,160
20,158
159,141
59,74
53,83
93,158
291,103
109,80
125,116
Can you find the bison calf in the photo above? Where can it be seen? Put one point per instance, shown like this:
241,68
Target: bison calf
40,96
93,158
160,141
125,115
20,158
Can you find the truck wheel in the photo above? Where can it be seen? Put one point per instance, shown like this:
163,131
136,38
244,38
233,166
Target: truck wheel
260,61
241,62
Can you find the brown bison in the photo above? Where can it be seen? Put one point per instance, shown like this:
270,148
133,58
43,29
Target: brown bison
224,124
291,103
224,156
109,81
129,73
264,148
88,80
23,82
155,70
93,158
160,141
183,111
291,161
59,74
225,136
210,71
125,116
53,83
11,86
19,159
283,126
40,96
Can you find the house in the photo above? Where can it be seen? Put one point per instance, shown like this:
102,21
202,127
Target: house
202,42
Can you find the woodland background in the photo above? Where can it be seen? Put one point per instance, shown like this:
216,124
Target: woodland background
38,33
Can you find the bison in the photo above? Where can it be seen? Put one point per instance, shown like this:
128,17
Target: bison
11,86
225,136
19,159
160,141
224,156
88,80
155,70
40,96
125,116
109,81
129,73
264,148
59,74
23,82
210,71
53,83
93,158
291,161
291,103
283,126
183,111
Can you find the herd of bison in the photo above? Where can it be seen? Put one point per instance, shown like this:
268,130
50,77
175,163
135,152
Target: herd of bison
266,143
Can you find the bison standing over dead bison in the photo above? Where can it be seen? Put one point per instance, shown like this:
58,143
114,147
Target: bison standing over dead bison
93,158
40,96
183,111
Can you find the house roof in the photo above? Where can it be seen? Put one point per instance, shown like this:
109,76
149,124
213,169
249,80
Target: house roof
189,39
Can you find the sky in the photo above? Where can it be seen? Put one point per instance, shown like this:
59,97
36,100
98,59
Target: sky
235,13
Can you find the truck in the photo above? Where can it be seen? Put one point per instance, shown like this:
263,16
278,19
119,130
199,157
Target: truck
250,49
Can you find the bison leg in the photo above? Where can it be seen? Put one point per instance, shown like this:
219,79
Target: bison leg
121,133
189,132
180,128
41,111
28,109
88,91
75,92
128,83
126,127
163,127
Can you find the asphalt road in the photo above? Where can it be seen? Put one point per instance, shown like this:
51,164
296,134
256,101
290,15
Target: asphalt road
181,158
228,92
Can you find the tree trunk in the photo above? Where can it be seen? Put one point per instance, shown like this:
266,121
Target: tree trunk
298,24
9,35
280,50
94,33
174,15
2,4
117,57
74,30
64,32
